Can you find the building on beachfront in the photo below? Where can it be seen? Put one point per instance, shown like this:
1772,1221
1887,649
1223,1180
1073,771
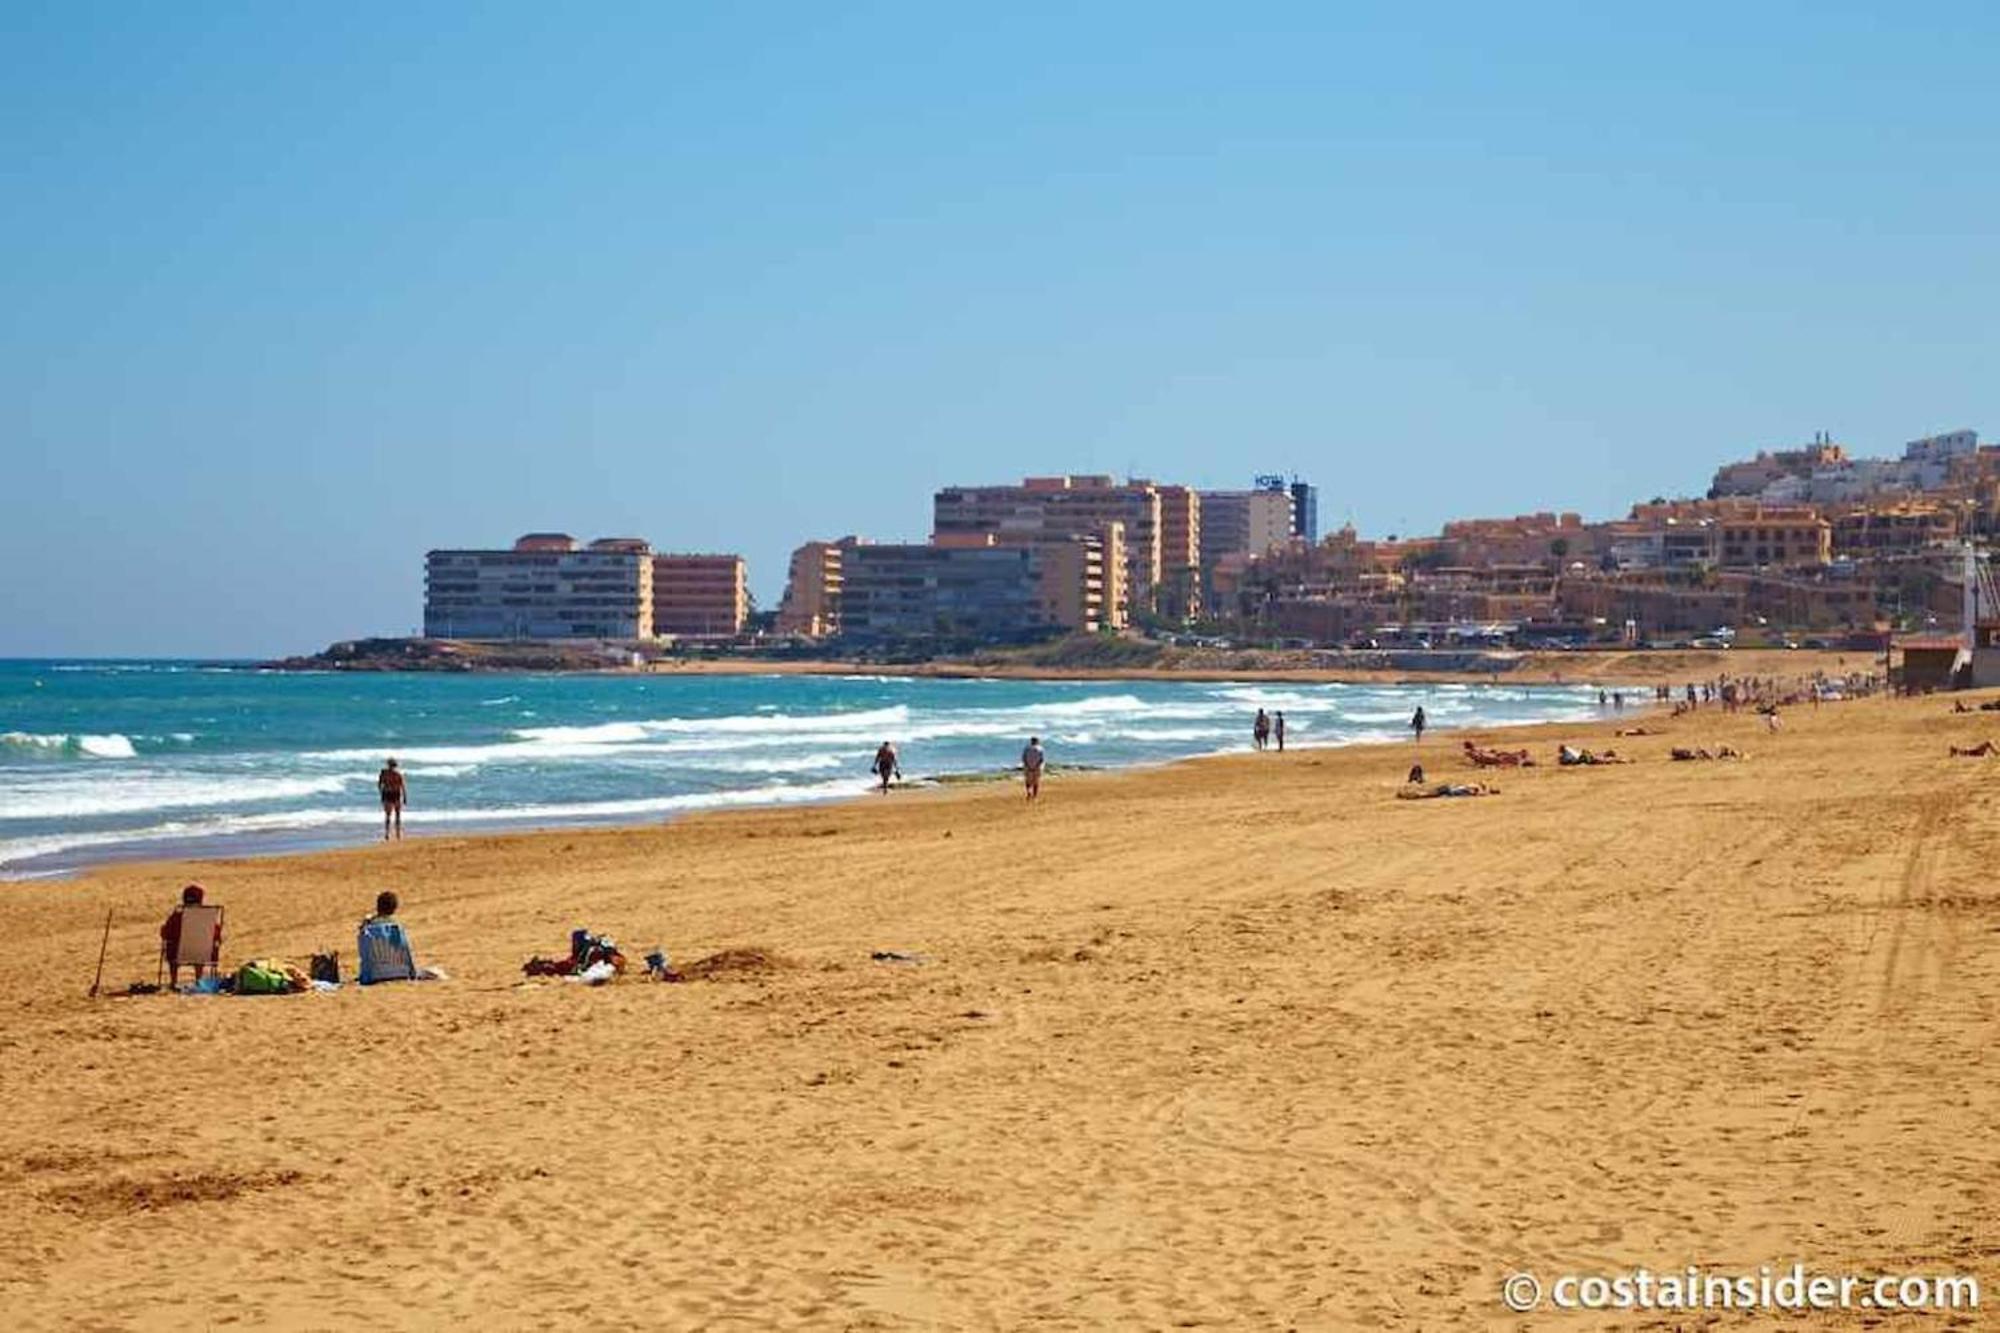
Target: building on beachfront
700,596
810,606
1248,522
1074,506
976,587
1305,511
1179,596
546,586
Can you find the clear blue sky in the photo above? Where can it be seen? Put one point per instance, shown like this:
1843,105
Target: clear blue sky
294,293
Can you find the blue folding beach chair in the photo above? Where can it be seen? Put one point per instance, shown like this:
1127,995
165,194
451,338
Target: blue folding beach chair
385,953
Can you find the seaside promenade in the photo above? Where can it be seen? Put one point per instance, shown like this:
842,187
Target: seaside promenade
1242,1042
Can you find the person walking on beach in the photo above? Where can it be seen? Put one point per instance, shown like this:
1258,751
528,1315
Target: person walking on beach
1278,731
1417,724
1260,730
886,765
1032,760
395,792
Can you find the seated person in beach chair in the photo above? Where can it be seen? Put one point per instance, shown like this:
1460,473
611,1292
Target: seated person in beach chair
191,936
384,947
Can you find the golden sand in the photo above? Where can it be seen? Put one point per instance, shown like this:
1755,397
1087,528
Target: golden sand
1242,1042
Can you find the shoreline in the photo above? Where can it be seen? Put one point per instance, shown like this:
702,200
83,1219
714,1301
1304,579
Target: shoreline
280,845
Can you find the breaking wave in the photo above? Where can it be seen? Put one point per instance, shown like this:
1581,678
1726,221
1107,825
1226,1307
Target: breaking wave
63,745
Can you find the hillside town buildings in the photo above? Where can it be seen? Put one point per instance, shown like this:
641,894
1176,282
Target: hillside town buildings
1815,537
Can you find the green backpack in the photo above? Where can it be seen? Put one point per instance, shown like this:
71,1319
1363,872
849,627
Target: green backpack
255,978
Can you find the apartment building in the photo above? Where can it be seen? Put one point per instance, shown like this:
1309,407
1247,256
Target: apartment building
700,596
1904,529
1523,539
1180,552
1065,506
546,586
975,586
1244,523
810,607
1780,537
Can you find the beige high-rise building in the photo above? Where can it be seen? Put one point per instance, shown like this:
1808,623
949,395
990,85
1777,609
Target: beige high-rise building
810,607
700,596
1067,506
1179,596
977,586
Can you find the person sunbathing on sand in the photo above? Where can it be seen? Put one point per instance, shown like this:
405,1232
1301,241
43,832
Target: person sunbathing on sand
1636,731
1444,789
1570,756
1481,757
1979,751
1684,754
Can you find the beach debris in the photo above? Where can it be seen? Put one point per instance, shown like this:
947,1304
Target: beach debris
897,956
739,962
98,983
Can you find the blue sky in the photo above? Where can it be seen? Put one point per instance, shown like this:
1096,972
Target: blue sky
293,293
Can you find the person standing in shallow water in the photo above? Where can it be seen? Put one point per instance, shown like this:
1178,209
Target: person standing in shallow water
1260,730
389,782
1417,723
1032,760
1278,731
886,765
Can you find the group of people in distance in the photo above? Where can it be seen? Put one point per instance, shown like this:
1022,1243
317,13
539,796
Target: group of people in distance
1266,729
887,766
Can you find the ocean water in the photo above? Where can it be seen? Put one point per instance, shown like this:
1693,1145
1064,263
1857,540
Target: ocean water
104,760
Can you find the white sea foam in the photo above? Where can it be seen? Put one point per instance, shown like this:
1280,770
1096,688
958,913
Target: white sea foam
130,793
277,823
112,746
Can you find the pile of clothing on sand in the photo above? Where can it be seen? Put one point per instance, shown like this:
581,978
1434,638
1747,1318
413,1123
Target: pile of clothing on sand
596,960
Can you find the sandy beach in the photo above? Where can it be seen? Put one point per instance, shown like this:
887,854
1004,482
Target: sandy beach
1242,1042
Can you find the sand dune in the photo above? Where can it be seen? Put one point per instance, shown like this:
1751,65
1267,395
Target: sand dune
1243,1042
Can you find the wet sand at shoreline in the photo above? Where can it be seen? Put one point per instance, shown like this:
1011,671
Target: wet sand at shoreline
1241,1042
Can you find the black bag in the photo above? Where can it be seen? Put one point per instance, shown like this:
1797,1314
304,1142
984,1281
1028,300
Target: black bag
325,967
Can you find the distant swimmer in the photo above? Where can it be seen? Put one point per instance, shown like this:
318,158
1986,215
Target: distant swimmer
886,766
1032,762
1417,723
395,793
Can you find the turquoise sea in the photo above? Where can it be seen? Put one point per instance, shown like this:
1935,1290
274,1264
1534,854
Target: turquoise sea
103,760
